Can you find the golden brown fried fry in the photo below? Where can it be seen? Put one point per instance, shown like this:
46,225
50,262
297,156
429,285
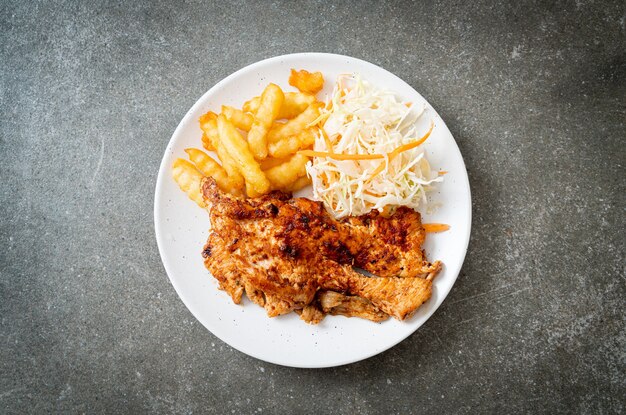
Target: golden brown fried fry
286,170
253,104
294,126
293,105
283,176
307,82
239,151
205,123
206,164
210,167
250,192
209,127
188,179
308,136
209,115
271,101
300,183
206,142
270,162
240,119
290,145
229,164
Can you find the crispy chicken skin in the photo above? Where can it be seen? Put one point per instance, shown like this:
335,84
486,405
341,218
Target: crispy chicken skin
290,254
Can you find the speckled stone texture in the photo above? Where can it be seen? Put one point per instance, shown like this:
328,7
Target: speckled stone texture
533,92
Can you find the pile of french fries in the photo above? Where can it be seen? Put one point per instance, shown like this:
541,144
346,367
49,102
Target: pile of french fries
257,145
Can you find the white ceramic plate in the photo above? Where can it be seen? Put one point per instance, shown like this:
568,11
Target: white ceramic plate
182,229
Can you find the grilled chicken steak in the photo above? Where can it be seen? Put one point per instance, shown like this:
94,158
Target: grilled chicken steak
289,254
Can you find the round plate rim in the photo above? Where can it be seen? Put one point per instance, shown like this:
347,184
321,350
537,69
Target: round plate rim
158,195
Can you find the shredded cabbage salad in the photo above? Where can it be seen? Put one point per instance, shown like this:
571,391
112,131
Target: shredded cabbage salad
362,119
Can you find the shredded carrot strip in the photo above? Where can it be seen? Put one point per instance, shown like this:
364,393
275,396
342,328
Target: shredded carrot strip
412,145
331,154
311,153
328,177
442,172
435,227
376,172
408,104
324,180
329,145
381,167
399,150
372,193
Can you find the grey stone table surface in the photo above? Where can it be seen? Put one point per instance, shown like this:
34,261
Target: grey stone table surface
533,92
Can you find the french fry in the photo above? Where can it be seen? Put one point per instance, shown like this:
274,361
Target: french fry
287,146
307,82
240,166
283,176
300,183
240,119
271,101
209,115
296,104
293,105
206,164
188,179
284,147
294,126
205,120
253,104
253,193
206,142
209,130
307,137
210,167
238,150
270,162
209,126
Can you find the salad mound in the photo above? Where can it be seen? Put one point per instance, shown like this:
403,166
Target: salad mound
368,154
